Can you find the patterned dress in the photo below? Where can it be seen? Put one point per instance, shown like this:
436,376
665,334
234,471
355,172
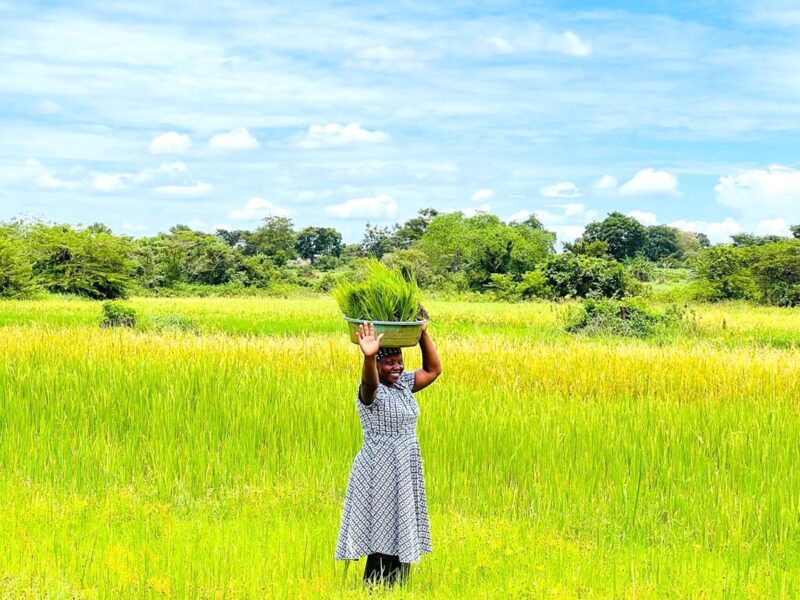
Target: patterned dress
385,509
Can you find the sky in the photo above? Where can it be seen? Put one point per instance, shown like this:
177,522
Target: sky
143,114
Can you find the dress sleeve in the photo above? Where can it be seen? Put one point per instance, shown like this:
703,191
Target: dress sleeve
374,402
408,378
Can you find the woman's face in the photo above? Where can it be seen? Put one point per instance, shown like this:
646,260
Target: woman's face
390,368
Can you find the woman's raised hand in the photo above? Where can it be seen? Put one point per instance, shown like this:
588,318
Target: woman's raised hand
367,340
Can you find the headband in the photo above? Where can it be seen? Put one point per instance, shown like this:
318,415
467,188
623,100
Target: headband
387,351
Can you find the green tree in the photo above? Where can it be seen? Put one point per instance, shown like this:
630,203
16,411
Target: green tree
275,238
596,248
662,241
624,235
99,228
483,245
581,276
722,274
748,240
315,242
532,221
82,262
235,238
690,243
776,271
16,273
413,229
795,229
377,241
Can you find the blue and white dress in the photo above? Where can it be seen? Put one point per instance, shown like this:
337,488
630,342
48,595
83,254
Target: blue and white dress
385,509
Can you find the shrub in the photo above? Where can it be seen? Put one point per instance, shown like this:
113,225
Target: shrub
503,287
630,317
640,268
534,285
327,263
116,314
16,275
723,274
383,294
776,272
579,276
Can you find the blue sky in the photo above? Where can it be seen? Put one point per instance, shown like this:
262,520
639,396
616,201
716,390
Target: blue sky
146,114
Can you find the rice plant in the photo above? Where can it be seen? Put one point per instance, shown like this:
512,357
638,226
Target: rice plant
139,463
383,294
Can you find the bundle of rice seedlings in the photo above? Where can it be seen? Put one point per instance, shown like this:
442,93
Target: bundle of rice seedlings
382,295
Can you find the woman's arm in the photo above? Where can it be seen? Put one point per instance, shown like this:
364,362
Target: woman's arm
369,345
431,365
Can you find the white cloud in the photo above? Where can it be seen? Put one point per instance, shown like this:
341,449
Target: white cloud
518,216
471,212
443,172
257,208
482,195
186,191
171,142
382,205
109,182
384,58
649,182
718,231
569,43
567,233
777,226
49,181
32,171
132,227
237,139
166,169
333,134
644,217
762,194
607,183
494,44
565,189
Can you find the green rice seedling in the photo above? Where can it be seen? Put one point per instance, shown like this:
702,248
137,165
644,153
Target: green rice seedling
382,295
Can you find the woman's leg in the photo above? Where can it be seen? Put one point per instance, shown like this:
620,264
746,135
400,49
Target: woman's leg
379,568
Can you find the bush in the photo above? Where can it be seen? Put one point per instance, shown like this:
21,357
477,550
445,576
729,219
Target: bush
578,276
723,274
640,268
327,263
629,317
534,285
16,274
503,287
116,314
776,272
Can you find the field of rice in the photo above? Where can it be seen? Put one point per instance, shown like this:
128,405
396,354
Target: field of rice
205,453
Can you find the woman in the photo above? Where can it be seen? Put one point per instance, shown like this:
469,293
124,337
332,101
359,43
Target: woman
385,514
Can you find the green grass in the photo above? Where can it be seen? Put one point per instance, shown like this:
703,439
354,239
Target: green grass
137,463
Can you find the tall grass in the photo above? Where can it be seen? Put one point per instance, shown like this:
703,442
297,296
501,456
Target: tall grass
136,464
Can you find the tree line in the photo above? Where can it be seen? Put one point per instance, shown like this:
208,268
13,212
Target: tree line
447,252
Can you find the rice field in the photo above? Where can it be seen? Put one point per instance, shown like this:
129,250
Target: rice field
211,462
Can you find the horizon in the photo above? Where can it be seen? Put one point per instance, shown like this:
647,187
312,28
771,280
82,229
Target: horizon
334,115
